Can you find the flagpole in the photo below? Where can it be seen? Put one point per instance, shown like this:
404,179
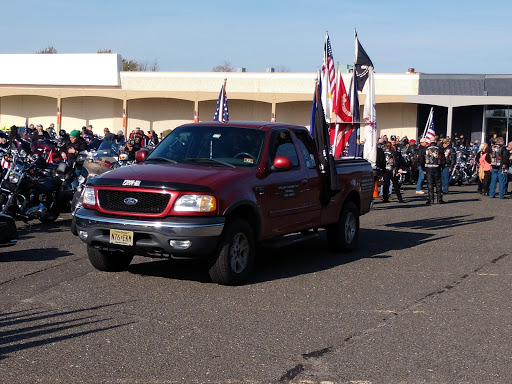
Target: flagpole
430,115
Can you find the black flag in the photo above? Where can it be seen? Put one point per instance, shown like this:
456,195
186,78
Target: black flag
330,183
362,63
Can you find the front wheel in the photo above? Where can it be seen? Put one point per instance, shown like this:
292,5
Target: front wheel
234,259
343,235
108,261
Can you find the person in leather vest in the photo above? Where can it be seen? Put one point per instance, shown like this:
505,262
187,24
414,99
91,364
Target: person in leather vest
451,160
432,162
499,171
390,173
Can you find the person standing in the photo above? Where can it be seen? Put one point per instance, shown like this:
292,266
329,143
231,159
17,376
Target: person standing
421,172
433,162
499,171
390,173
451,160
483,158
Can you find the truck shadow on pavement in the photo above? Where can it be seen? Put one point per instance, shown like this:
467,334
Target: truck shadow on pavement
41,254
294,260
30,328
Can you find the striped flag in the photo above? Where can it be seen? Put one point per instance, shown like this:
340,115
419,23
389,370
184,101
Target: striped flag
430,132
221,112
328,79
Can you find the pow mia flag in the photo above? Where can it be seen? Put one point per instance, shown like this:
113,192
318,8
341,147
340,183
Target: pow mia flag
362,64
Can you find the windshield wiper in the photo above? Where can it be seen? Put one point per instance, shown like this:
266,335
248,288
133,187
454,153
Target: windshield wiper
162,159
205,159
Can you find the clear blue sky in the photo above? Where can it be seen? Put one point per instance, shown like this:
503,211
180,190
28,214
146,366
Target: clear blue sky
450,36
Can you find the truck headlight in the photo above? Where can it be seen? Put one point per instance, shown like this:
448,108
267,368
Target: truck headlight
195,203
89,197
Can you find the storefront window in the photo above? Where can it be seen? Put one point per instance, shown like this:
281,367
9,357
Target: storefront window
499,122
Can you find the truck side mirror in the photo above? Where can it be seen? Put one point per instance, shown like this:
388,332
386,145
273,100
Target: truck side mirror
141,155
281,163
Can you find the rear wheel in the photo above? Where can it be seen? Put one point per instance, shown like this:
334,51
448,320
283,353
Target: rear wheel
50,217
108,261
343,235
234,259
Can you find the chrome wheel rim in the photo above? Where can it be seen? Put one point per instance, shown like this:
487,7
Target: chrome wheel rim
239,253
350,228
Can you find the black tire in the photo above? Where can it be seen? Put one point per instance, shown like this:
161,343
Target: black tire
50,217
108,261
74,231
233,262
343,235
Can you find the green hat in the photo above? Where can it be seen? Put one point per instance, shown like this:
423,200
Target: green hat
75,133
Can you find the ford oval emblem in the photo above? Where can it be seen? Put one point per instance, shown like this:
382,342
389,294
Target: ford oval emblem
130,201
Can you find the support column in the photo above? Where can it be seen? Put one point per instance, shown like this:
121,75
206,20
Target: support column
273,117
449,122
59,114
125,117
196,111
484,125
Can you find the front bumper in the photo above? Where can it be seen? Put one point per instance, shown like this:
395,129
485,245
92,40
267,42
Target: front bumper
151,237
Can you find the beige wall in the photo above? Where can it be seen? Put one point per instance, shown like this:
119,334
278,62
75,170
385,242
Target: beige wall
100,112
397,119
159,114
15,110
239,110
298,112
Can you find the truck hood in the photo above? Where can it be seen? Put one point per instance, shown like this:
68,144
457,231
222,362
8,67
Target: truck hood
180,177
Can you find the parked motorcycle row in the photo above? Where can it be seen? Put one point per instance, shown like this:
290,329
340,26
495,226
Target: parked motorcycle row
464,171
37,184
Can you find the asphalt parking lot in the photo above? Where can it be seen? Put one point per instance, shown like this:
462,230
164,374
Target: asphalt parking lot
424,299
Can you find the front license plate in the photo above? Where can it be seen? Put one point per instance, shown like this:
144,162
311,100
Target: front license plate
121,237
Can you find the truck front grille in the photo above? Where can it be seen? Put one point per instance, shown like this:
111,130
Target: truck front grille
146,202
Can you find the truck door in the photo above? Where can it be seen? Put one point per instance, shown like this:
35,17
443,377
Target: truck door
281,193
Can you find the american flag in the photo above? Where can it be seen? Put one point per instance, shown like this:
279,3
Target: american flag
431,132
222,102
328,79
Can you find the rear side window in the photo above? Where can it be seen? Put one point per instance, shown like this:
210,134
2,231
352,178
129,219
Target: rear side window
282,145
306,147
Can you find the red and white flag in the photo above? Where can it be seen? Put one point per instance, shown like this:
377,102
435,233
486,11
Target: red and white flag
328,79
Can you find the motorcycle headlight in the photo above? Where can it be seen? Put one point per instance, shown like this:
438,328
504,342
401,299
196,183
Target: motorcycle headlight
195,203
89,198
14,178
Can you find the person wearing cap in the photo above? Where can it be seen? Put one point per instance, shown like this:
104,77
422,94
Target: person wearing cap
73,146
39,134
130,149
120,137
451,160
433,161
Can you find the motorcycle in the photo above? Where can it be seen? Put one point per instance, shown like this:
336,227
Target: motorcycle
33,189
96,163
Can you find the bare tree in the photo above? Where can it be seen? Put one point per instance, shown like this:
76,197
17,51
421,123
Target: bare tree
224,67
48,49
155,66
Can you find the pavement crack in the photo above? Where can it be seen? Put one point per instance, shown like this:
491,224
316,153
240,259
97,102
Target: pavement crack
38,271
299,368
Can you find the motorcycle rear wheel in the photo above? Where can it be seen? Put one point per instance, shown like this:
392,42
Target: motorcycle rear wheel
50,217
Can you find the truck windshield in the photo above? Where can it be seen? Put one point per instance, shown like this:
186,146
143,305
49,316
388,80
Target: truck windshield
226,145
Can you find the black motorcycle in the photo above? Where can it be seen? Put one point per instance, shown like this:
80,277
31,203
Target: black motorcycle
33,189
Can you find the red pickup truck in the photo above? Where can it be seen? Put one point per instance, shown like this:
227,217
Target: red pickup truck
215,191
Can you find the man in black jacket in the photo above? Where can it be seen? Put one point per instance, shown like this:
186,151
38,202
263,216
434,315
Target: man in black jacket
451,160
500,164
432,161
391,173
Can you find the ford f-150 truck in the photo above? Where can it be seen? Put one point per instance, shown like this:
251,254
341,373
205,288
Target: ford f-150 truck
215,191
